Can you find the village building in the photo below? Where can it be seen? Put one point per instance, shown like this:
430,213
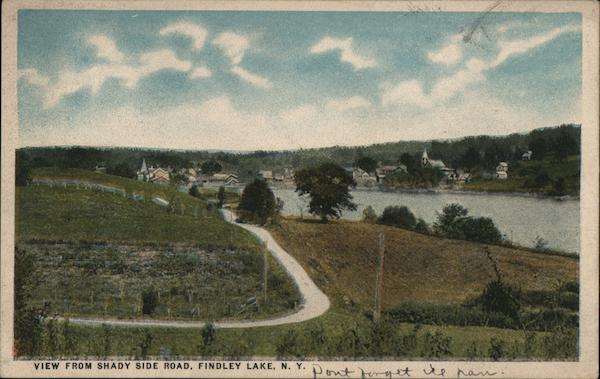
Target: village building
224,179
153,174
437,164
363,178
502,170
100,168
383,171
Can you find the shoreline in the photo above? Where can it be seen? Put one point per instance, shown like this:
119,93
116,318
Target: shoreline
442,191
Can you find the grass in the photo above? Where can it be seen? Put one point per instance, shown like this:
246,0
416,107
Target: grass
107,281
341,257
97,251
70,214
522,174
324,337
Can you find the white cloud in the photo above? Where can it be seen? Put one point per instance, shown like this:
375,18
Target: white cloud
196,32
405,92
342,105
32,76
253,79
411,91
451,53
347,55
300,114
201,72
106,48
515,47
233,45
95,76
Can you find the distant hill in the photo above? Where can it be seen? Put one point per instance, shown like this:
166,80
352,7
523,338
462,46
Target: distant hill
124,161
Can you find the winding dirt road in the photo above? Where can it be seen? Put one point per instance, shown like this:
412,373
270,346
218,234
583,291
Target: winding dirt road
314,301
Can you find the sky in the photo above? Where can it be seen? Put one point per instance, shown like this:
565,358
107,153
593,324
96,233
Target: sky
290,80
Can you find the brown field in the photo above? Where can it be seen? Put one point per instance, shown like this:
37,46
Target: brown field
341,257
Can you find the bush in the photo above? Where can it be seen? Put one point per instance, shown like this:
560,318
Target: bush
369,215
480,229
453,222
149,301
551,299
436,345
398,216
500,297
542,179
422,227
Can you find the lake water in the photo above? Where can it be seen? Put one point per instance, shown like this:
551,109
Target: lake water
520,218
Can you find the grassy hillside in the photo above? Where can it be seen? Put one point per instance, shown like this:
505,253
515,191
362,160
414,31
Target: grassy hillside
94,253
340,256
70,214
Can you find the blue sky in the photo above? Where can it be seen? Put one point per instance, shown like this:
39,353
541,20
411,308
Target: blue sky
287,80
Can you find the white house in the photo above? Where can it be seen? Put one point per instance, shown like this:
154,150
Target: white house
502,170
527,156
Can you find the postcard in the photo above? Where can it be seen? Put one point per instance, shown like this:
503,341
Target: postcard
310,189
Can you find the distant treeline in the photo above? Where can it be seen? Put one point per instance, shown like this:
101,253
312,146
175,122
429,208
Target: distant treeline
484,151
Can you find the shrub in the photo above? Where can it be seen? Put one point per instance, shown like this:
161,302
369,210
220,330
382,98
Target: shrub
570,287
480,229
149,301
382,339
453,222
542,179
369,215
436,345
422,227
398,216
502,298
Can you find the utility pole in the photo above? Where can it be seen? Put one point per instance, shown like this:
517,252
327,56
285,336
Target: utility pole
265,271
379,277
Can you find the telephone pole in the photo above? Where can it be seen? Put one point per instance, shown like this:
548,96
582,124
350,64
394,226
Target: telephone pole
265,271
379,277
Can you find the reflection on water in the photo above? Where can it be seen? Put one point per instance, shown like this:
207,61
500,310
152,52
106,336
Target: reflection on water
521,219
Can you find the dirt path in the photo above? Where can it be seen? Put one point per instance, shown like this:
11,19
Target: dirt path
314,301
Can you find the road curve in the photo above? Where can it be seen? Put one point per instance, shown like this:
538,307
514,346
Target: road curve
314,301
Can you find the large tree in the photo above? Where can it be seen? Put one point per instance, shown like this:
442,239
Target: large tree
211,167
258,202
328,186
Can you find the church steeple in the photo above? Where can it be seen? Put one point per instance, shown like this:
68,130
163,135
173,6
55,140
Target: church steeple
424,157
144,169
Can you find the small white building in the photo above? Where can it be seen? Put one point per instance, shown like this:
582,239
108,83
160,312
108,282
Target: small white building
502,170
527,156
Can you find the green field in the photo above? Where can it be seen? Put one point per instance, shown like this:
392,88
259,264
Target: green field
95,253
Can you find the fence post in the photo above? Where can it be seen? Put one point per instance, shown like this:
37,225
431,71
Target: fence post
379,277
